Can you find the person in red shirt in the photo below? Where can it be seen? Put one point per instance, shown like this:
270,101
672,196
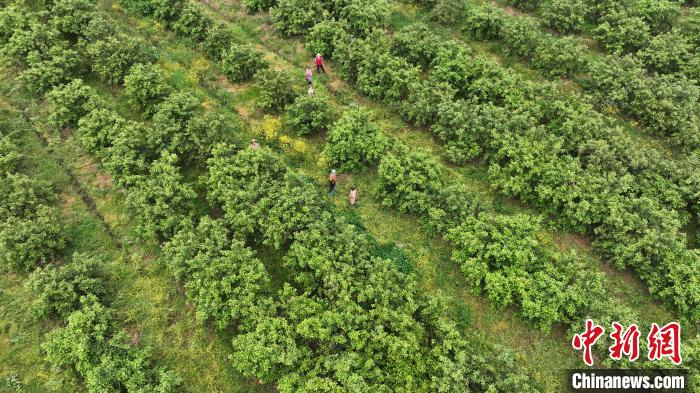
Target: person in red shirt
319,63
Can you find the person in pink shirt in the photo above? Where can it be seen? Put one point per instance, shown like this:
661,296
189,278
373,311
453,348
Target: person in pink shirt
352,196
309,75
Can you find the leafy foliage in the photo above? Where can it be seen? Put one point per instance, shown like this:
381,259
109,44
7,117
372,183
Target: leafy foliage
524,4
240,62
417,44
193,23
218,39
49,69
161,202
58,289
408,180
386,77
112,57
145,86
363,16
563,56
502,256
667,53
484,23
222,278
325,36
253,6
30,240
70,102
308,115
449,11
72,16
354,142
295,17
102,356
564,16
618,32
276,90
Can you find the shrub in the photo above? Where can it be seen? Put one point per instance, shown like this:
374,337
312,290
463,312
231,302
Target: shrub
238,182
193,23
161,201
522,37
218,39
98,28
408,181
174,129
659,14
205,132
72,16
21,195
58,289
351,53
620,33
417,44
424,97
386,77
613,80
91,347
501,255
354,141
449,11
325,36
276,90
308,115
253,6
241,62
9,156
460,129
560,56
47,70
451,206
31,240
97,130
363,16
145,86
113,57
295,17
667,105
34,37
564,16
222,278
167,11
524,4
667,53
292,209
70,102
484,23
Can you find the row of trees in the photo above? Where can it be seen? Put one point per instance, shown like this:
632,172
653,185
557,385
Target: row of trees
552,151
658,86
71,290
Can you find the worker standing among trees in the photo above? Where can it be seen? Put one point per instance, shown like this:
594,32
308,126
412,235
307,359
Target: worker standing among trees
331,182
254,144
319,63
352,197
309,75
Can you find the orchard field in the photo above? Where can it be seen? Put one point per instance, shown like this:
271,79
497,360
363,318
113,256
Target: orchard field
521,166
